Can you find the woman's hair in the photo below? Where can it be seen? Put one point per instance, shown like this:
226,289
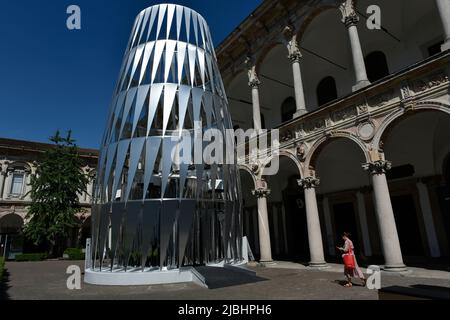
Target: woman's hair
346,234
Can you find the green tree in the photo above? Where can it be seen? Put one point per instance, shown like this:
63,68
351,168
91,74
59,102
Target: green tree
54,193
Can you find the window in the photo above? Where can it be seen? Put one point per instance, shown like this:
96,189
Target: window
326,91
288,109
17,184
376,65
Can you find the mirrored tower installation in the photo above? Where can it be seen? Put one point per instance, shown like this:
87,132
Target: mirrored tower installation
154,210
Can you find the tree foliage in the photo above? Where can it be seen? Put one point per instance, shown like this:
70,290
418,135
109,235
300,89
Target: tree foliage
54,193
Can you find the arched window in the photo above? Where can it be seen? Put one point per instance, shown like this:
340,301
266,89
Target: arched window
288,109
376,65
326,91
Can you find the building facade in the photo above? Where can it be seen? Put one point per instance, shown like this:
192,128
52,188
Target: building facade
363,115
18,162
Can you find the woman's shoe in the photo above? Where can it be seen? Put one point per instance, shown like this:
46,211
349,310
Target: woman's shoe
348,285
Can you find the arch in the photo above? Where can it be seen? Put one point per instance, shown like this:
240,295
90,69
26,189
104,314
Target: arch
310,18
326,91
281,153
236,73
401,113
264,52
315,150
376,65
288,108
249,171
11,223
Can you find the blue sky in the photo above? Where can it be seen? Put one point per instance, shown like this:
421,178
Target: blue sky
52,78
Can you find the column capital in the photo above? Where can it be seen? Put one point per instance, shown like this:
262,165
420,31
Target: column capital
309,182
261,192
253,80
294,51
377,167
349,15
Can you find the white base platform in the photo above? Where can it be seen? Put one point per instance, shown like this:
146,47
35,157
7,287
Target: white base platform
143,278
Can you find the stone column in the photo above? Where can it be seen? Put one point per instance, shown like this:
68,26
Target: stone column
254,82
427,214
309,184
295,56
385,216
363,222
265,250
350,19
444,12
2,182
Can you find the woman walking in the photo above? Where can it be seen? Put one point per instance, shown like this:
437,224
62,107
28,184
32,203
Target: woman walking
351,268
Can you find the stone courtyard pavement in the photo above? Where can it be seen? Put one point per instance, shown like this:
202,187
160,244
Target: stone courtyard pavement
282,280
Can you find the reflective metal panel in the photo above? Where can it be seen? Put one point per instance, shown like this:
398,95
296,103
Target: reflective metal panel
151,212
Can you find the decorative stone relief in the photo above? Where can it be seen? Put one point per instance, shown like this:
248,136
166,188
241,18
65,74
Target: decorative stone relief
344,114
366,130
309,182
430,81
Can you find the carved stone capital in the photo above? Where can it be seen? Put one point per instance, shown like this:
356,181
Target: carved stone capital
294,51
377,167
349,15
253,80
261,192
309,182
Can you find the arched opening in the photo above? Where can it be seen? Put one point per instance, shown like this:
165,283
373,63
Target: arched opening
288,109
343,197
419,196
11,239
287,214
326,91
376,66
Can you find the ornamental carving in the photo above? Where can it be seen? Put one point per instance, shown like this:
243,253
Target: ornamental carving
301,151
349,15
377,167
309,182
314,125
253,80
430,82
344,114
382,99
261,193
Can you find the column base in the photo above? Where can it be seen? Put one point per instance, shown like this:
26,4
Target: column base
360,85
266,263
299,113
395,268
318,265
445,46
